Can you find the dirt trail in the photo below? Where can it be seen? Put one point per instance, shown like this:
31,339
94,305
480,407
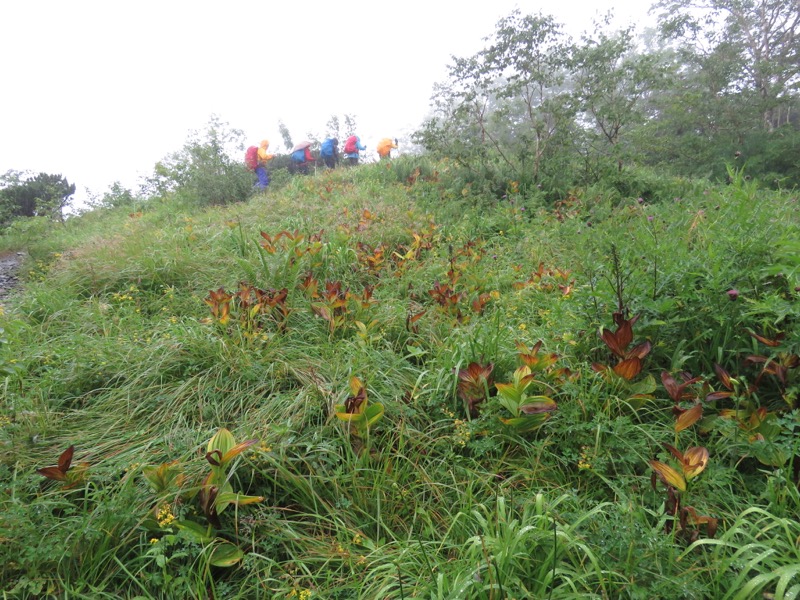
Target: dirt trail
9,265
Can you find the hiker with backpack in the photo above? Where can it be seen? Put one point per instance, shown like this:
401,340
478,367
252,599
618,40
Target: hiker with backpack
256,159
301,156
352,147
385,148
329,152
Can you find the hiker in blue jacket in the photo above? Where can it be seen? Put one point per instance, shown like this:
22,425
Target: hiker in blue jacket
352,147
329,152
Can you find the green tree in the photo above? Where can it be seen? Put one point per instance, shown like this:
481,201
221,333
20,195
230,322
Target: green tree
613,82
333,128
757,43
736,72
204,171
506,111
41,195
285,135
350,125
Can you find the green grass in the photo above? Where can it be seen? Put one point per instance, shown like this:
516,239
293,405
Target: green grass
111,346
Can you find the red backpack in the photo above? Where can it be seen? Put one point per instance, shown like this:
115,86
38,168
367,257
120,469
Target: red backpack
251,158
350,145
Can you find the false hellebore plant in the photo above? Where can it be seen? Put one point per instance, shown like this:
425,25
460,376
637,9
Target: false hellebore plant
629,364
528,411
473,385
356,410
64,471
215,493
691,464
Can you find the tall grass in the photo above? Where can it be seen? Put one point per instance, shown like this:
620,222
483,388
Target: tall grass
112,347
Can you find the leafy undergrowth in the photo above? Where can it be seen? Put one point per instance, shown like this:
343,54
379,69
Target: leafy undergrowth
358,388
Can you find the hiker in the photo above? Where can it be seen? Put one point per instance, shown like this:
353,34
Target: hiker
385,148
256,159
301,156
329,152
351,149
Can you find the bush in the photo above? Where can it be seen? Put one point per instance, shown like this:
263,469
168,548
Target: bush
204,171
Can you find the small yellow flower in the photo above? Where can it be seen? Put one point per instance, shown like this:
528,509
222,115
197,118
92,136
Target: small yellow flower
165,516
522,327
584,462
357,539
153,540
462,432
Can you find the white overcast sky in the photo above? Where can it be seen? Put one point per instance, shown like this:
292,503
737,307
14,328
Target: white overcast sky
99,91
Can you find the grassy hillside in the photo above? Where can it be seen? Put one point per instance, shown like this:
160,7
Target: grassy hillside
373,384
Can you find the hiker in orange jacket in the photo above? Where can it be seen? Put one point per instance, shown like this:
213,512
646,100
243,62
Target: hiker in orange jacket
261,168
385,148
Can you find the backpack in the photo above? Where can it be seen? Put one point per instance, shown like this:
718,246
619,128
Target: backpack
350,145
251,158
327,148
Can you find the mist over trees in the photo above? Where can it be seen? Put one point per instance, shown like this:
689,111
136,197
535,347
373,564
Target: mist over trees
716,85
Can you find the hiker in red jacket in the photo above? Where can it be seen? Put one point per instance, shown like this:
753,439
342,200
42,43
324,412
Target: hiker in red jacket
352,147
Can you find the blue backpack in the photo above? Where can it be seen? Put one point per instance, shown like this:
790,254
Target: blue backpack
327,148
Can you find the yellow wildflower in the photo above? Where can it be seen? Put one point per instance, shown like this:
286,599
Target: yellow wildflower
165,516
584,462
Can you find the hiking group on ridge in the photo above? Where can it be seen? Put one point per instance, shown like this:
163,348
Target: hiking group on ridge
257,157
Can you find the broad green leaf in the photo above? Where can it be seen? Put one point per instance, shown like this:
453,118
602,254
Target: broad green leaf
343,415
373,413
225,498
769,454
509,396
643,387
163,476
194,532
225,554
526,423
222,441
637,401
